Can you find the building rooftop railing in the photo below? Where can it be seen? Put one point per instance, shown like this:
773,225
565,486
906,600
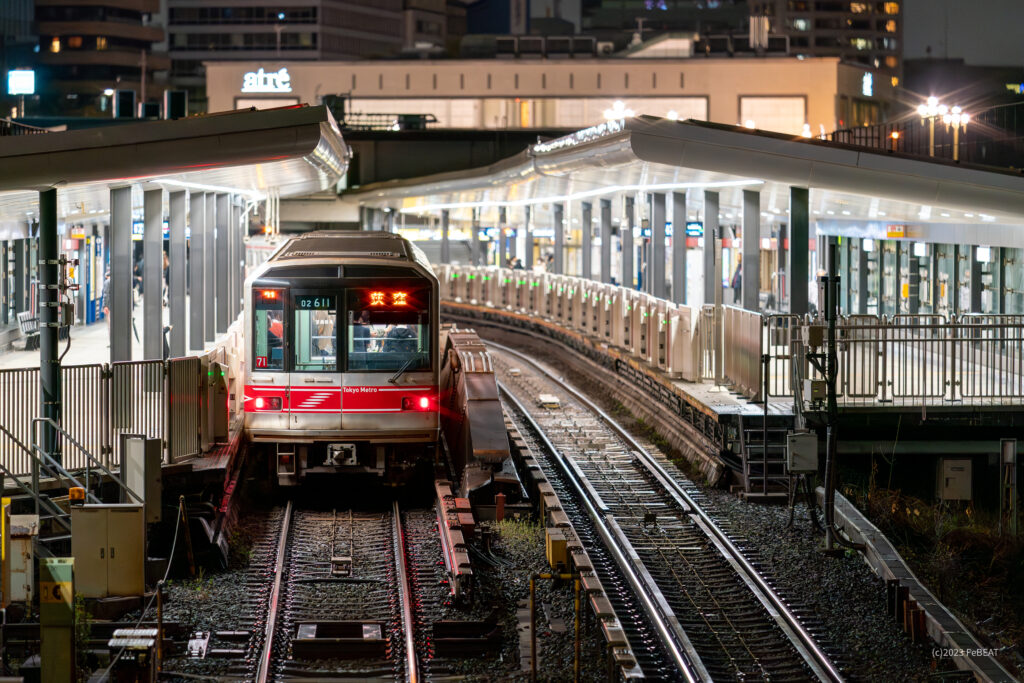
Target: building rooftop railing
9,127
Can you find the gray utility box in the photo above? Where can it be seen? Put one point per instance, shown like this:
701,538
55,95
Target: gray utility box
140,472
801,452
108,543
954,479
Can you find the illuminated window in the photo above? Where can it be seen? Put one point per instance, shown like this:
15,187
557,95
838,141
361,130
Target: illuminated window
861,43
268,320
895,81
389,336
890,26
55,45
101,42
891,62
801,24
75,41
315,348
858,7
892,8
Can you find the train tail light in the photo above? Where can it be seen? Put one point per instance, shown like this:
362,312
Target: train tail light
418,403
266,403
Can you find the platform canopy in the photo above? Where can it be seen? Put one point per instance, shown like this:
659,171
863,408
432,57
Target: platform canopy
291,151
648,154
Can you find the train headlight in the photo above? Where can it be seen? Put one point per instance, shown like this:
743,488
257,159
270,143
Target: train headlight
420,403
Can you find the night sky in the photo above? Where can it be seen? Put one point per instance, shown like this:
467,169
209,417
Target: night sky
981,32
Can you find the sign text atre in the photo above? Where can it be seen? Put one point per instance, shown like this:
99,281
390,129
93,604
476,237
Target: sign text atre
262,81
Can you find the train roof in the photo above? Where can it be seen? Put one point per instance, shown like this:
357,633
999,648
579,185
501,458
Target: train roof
347,243
343,247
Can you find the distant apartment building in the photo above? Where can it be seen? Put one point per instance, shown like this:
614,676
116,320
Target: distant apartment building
214,30
860,31
87,47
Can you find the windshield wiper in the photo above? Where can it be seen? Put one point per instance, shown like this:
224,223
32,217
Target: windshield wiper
401,370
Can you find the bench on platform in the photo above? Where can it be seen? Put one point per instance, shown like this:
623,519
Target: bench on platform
29,325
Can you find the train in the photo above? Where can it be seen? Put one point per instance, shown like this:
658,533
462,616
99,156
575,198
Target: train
343,355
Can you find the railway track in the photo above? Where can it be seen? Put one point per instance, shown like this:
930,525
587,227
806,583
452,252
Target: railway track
341,604
715,614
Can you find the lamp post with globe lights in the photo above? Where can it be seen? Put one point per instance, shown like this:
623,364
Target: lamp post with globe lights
958,119
955,116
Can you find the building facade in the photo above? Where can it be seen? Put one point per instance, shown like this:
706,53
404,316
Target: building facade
858,31
796,96
87,47
204,31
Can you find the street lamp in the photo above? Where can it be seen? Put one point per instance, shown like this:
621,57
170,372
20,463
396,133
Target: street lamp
932,110
956,118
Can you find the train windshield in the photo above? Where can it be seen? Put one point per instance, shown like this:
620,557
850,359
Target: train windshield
315,334
269,322
388,329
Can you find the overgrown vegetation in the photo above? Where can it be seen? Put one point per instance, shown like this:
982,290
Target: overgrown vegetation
959,553
83,631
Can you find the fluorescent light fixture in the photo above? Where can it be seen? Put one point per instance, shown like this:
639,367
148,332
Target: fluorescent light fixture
968,215
607,189
254,194
881,213
845,212
925,213
983,254
868,245
920,249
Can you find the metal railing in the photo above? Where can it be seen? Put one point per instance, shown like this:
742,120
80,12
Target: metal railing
157,399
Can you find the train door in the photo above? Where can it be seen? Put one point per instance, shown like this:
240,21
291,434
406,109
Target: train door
315,399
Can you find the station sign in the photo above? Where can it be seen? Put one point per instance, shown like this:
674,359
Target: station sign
267,81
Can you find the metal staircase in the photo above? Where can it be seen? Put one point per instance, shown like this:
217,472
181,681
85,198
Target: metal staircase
55,520
763,453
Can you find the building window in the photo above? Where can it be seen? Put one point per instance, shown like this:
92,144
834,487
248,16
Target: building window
680,80
101,42
571,81
892,8
55,45
406,81
380,81
598,81
859,7
861,43
462,81
543,81
75,42
801,24
890,26
435,80
353,81
517,82
488,81
891,62
654,81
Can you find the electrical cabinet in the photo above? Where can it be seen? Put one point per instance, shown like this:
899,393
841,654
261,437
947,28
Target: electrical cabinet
801,452
108,543
141,471
955,479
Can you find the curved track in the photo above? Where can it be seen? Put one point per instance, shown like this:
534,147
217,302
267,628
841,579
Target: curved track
718,613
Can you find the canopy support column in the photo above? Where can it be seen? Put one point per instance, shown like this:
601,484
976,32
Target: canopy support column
679,247
751,273
152,274
197,271
120,290
177,202
797,275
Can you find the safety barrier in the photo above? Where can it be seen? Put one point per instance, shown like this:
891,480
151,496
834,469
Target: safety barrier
662,333
902,360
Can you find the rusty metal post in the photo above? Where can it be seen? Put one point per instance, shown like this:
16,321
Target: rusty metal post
576,643
160,625
499,507
533,629
183,519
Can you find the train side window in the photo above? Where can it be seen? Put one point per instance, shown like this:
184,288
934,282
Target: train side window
315,333
388,330
268,314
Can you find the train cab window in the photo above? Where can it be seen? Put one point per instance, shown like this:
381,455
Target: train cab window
268,314
315,334
388,329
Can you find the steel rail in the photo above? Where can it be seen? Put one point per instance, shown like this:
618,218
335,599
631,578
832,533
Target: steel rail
405,595
655,605
263,668
804,642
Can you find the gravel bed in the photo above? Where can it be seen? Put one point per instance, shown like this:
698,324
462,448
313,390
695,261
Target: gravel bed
841,593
